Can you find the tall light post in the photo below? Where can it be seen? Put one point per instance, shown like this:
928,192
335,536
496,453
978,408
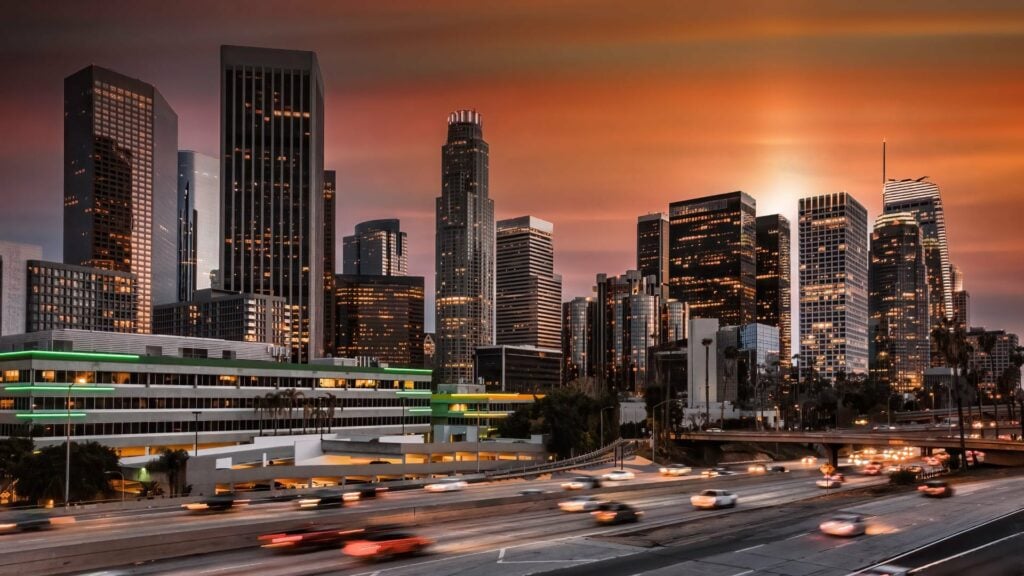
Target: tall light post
707,381
67,445
602,422
654,429
195,427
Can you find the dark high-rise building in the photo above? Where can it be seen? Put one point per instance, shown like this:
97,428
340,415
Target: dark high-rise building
577,338
961,300
378,248
712,257
120,190
330,192
272,146
65,296
380,317
199,239
897,303
227,316
464,281
528,292
833,284
652,234
627,323
518,369
773,280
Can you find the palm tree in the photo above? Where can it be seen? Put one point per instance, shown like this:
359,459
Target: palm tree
291,397
257,407
332,401
951,343
272,406
172,463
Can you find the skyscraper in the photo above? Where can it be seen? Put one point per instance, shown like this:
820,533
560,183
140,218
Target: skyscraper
199,238
922,199
898,303
272,176
330,331
773,281
120,191
380,317
378,248
627,323
652,232
464,250
577,337
528,292
712,256
833,284
961,299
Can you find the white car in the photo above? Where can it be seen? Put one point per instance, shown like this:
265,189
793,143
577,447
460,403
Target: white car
579,504
709,473
619,475
829,483
843,525
581,483
714,499
757,469
674,470
446,485
808,460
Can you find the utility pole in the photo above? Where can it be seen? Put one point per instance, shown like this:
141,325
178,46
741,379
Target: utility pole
707,381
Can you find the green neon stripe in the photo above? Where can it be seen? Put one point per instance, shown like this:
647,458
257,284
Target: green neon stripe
66,355
414,392
34,415
420,409
76,388
408,370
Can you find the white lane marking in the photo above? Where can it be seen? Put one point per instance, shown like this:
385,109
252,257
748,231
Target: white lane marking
223,568
742,573
795,536
501,554
749,548
966,552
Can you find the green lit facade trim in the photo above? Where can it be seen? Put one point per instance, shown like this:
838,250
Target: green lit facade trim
414,393
419,410
37,415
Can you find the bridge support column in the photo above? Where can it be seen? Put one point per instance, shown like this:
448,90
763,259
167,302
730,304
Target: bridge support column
833,454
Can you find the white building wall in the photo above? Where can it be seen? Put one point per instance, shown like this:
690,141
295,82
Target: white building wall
698,329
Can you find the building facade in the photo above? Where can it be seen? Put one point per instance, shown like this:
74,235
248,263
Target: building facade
518,369
378,248
528,293
64,296
898,303
380,317
120,189
991,365
199,237
712,260
227,316
652,242
577,338
330,192
464,266
961,300
14,258
272,150
774,289
833,285
627,324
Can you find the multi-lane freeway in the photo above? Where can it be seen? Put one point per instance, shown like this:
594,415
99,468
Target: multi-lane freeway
773,530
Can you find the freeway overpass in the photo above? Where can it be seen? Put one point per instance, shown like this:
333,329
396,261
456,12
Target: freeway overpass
1003,451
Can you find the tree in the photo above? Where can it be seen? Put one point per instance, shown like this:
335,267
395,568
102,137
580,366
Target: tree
292,396
951,343
569,418
41,475
172,463
13,451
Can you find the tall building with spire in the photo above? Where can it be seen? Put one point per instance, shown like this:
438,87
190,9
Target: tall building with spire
898,303
833,284
272,174
528,292
120,183
464,250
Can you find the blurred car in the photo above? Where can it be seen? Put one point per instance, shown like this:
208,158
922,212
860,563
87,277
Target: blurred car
615,513
311,537
838,476
379,545
217,503
321,499
674,470
844,525
714,499
829,482
582,483
531,492
24,522
872,469
808,460
364,493
709,473
723,471
446,485
618,475
757,469
579,504
936,489
777,469
885,570
714,430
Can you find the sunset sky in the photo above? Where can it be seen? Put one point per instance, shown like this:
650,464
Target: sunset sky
595,112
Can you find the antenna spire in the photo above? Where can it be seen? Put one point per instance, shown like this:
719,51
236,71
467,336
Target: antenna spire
883,161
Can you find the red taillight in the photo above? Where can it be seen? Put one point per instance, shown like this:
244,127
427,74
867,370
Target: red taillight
283,539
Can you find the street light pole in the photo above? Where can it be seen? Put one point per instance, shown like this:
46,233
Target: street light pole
602,422
67,445
654,430
707,381
196,413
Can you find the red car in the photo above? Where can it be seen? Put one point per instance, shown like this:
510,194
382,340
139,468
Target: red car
313,537
383,545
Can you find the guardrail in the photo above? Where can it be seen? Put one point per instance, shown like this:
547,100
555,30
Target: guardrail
599,456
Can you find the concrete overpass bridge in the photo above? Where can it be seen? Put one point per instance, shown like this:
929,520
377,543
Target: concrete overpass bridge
1003,452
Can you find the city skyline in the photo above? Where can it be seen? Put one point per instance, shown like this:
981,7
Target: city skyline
788,145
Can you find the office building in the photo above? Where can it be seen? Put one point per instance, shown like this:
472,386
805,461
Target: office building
464,266
64,296
833,285
577,338
228,316
380,317
14,258
898,303
330,192
922,199
518,369
712,256
773,281
652,235
627,324
378,248
528,292
991,365
429,349
272,138
961,300
120,189
199,238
